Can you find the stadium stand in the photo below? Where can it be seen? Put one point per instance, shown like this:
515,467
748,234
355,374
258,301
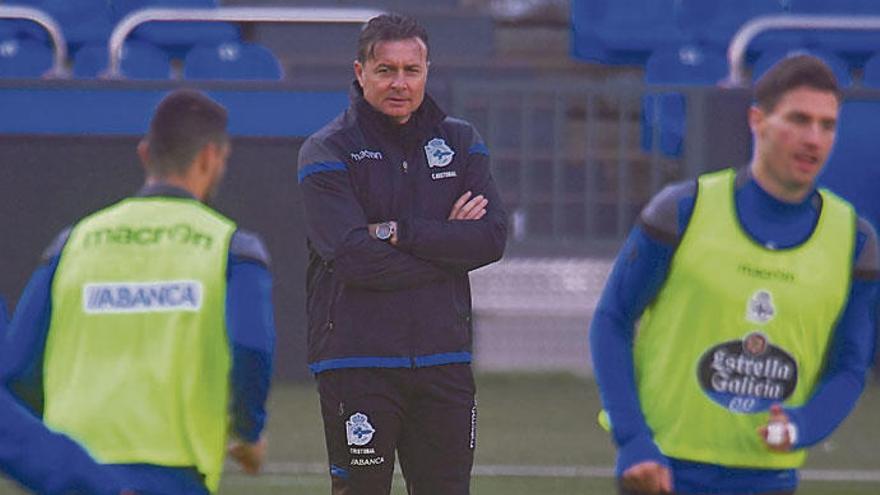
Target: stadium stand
82,21
20,28
177,38
627,31
24,58
564,138
854,46
609,31
871,74
687,65
839,66
232,61
140,60
714,23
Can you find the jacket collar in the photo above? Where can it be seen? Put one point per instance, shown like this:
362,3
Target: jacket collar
428,116
163,189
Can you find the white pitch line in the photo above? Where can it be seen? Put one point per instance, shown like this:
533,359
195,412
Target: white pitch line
533,471
871,476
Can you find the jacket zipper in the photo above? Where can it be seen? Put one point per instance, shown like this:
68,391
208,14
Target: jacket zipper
330,325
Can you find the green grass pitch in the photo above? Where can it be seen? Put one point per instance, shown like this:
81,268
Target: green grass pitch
527,421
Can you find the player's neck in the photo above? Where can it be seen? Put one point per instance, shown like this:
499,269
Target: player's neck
775,187
181,182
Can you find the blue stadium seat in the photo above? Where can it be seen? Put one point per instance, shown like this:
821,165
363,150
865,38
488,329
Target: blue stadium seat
837,65
20,28
81,21
24,58
232,61
714,22
871,76
585,15
623,31
139,61
855,46
687,65
8,29
635,28
177,37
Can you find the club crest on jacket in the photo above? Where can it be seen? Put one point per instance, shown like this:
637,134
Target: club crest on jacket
439,153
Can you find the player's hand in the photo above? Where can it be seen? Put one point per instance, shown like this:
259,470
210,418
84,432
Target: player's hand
779,440
249,456
469,208
647,477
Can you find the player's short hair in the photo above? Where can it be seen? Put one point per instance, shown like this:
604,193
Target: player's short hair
388,27
184,122
796,71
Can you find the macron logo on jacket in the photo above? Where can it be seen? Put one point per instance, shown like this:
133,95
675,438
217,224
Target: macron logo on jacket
372,155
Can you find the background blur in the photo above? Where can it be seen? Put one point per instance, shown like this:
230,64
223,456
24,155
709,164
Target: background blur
588,107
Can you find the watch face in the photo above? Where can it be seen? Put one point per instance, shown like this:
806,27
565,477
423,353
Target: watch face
383,231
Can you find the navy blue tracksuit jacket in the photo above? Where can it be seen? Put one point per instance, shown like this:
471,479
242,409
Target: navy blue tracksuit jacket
371,304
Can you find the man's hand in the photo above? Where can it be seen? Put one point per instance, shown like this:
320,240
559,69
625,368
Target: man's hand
647,477
777,433
467,208
249,456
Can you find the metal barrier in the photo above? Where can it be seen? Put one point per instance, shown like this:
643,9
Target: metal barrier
47,22
736,52
228,14
566,155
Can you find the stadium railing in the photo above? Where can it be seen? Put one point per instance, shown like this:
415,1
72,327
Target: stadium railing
59,44
567,157
227,14
736,52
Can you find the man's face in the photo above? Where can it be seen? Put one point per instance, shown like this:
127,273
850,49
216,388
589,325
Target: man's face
794,139
394,77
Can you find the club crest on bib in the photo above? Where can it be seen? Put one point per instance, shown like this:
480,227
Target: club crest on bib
359,430
438,153
760,307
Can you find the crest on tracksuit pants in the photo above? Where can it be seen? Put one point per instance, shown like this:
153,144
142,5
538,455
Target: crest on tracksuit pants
359,430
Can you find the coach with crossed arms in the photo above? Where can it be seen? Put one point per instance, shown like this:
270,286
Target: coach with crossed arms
400,205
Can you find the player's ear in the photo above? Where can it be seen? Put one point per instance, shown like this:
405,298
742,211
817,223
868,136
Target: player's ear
756,118
204,158
143,151
359,72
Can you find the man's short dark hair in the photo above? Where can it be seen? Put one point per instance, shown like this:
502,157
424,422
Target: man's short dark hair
388,27
797,71
185,121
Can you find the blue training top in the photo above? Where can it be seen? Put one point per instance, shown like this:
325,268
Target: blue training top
638,275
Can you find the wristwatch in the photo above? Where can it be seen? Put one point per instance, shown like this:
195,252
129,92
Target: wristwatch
386,230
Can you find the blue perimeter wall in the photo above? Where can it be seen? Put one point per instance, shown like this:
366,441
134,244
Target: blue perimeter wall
65,110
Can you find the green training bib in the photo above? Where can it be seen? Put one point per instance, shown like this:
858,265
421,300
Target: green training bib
738,327
137,359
